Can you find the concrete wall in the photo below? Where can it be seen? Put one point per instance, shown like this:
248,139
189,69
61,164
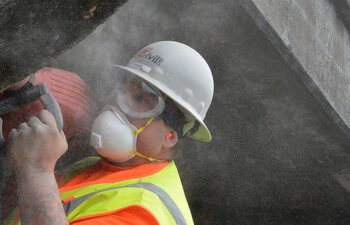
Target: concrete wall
315,43
33,32
342,8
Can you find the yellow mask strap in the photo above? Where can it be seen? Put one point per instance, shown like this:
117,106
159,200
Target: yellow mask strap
139,131
142,128
145,157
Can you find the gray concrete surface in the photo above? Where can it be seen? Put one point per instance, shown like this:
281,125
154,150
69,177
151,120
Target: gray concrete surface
342,8
31,32
312,38
277,157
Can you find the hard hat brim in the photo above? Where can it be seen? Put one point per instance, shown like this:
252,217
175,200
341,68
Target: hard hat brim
203,133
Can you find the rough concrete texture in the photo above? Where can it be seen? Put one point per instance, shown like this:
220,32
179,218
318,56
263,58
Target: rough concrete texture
276,156
34,31
315,42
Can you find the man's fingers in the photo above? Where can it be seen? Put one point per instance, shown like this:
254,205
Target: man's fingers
12,133
47,118
23,126
34,121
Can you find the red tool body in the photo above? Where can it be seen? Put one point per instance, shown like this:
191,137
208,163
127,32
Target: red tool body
68,89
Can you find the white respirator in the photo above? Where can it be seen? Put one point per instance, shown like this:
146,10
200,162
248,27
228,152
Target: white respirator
112,134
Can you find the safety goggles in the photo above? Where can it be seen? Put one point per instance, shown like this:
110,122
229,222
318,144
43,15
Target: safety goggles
136,98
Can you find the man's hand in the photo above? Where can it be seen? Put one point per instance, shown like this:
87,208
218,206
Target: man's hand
36,144
34,149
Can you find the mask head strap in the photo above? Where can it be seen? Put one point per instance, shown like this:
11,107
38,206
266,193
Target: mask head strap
139,131
139,154
145,157
143,127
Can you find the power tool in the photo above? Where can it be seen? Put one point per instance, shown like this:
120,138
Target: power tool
64,94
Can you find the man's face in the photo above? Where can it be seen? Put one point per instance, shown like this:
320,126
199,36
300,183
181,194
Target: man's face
151,141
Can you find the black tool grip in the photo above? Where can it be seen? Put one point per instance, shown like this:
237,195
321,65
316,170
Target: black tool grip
25,97
40,91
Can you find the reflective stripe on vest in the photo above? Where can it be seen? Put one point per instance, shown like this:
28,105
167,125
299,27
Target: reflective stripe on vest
165,198
74,167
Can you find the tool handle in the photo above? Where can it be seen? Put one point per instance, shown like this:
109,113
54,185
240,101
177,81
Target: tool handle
40,91
22,98
50,103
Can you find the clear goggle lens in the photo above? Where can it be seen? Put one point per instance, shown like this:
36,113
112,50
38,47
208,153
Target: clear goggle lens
137,99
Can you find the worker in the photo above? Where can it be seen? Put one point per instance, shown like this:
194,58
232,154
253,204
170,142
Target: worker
165,96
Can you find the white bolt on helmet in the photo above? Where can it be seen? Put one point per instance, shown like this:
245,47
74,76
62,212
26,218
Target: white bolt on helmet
183,75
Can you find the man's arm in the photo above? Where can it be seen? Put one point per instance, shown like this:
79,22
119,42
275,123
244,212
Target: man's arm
38,198
33,151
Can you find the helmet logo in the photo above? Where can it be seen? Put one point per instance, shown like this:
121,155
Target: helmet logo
147,54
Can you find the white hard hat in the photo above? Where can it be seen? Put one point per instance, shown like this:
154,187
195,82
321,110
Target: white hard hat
183,75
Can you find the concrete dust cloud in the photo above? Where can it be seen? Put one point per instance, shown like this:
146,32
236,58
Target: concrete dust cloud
274,153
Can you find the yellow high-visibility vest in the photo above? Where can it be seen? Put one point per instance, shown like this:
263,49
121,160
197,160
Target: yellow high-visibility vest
161,193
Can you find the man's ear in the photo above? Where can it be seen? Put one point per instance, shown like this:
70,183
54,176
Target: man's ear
170,140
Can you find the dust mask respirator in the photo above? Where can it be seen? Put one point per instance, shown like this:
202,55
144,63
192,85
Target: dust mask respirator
112,134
